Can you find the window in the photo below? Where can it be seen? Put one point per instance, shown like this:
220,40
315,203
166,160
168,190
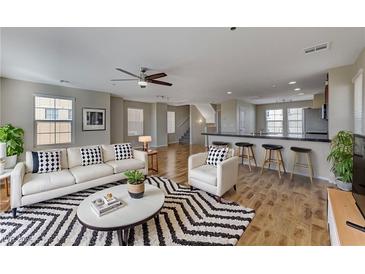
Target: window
358,103
295,120
53,120
274,120
170,122
135,122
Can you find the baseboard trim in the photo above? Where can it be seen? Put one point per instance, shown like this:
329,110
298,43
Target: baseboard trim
295,172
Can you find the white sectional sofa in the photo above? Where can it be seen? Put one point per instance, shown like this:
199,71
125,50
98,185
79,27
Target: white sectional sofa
29,188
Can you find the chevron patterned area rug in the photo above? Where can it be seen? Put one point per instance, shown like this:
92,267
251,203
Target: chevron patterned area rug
188,217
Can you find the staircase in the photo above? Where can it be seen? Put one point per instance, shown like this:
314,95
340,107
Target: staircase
185,139
207,111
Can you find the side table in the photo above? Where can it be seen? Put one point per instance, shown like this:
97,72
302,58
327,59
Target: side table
152,157
5,177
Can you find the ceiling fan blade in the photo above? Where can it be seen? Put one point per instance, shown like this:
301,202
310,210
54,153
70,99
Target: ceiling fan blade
159,83
123,80
127,72
155,76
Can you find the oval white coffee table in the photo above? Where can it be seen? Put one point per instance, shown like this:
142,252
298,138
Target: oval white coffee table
134,212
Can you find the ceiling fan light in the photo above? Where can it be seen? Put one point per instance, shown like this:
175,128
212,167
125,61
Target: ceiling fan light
142,83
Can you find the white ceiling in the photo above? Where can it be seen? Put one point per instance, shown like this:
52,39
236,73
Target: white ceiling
202,63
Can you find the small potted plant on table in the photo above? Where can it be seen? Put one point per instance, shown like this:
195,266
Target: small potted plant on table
135,181
13,137
341,160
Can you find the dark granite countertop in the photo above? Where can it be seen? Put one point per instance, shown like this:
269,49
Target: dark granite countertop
294,137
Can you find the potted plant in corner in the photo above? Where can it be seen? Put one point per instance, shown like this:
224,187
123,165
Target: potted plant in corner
135,181
341,160
13,137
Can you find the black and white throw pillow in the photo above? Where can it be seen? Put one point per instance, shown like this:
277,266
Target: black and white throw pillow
216,155
90,156
123,151
46,161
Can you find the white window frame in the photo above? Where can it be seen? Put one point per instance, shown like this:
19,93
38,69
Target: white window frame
72,121
282,121
137,133
171,115
358,82
296,120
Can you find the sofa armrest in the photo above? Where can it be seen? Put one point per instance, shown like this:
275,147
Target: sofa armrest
142,156
197,160
227,174
16,182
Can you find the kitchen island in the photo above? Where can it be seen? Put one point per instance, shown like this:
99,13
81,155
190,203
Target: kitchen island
319,143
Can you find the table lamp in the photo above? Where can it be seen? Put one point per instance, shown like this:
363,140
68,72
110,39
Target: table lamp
2,157
145,140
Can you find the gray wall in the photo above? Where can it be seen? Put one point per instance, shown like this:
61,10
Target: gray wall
116,120
229,116
1,95
159,124
340,100
360,65
181,115
261,112
341,96
17,108
196,128
250,116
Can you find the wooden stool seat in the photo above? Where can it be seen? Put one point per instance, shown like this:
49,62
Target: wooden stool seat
269,148
272,147
218,143
301,149
308,165
249,155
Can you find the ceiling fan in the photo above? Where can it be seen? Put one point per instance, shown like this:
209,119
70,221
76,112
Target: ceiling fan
144,79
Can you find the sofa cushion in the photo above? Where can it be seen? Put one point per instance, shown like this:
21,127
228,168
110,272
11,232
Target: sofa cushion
74,155
88,173
108,153
127,164
29,159
205,173
40,182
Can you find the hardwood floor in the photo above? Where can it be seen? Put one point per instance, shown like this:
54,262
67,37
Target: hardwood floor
287,212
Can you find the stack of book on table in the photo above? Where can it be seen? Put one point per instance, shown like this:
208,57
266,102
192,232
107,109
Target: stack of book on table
106,204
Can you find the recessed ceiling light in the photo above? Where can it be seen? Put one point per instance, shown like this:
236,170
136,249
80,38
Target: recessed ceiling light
300,94
229,92
292,83
232,28
297,89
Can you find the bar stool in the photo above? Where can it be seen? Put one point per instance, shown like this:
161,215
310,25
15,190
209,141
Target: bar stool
220,144
279,158
308,165
249,155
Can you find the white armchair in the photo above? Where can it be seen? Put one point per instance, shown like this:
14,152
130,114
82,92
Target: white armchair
215,180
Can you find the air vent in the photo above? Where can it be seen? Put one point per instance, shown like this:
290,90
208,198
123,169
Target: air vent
317,48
